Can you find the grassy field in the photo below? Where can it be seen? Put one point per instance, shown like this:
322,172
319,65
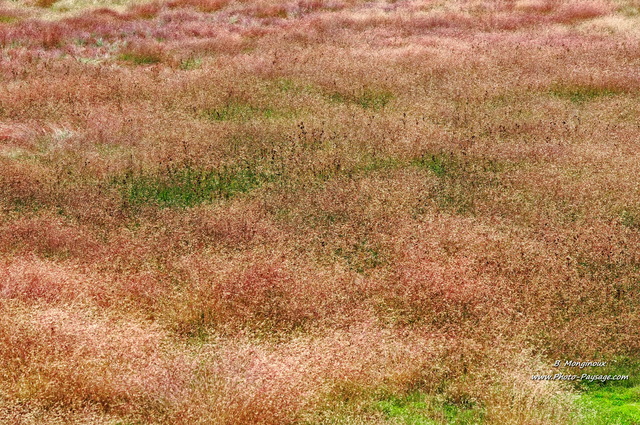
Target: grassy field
319,211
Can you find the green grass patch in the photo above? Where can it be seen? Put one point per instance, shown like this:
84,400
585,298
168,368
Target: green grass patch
239,112
366,165
610,405
290,86
367,98
630,218
419,409
610,402
140,58
629,10
362,256
4,19
286,85
441,165
191,63
603,271
450,165
373,164
411,410
186,187
349,403
461,180
580,94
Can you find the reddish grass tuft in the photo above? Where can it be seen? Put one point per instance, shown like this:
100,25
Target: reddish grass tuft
573,12
47,235
145,10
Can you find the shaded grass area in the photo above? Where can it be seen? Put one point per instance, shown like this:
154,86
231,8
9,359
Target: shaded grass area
460,185
461,181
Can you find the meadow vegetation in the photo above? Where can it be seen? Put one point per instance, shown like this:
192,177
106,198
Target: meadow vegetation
318,211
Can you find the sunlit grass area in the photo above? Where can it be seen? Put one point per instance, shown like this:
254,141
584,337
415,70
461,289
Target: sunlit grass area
319,212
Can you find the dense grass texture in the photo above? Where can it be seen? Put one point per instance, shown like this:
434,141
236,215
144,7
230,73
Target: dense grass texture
309,212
